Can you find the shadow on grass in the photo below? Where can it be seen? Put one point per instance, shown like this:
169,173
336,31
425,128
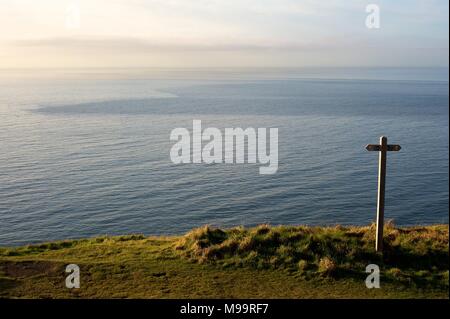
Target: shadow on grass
7,283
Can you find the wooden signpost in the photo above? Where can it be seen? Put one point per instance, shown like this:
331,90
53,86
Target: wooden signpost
383,148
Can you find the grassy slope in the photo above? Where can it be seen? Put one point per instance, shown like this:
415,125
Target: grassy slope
261,262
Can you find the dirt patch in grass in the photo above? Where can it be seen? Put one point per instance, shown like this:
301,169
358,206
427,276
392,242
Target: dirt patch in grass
21,269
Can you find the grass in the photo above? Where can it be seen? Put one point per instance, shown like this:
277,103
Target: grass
260,262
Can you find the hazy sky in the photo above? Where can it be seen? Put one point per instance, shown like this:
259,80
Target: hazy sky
221,33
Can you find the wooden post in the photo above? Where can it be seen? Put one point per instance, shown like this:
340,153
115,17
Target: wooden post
383,148
381,192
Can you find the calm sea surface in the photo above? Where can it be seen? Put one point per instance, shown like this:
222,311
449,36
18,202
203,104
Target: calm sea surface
85,153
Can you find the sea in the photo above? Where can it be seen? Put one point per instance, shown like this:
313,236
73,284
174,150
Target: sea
86,152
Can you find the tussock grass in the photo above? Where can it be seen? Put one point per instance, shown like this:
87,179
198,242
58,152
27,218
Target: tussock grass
416,255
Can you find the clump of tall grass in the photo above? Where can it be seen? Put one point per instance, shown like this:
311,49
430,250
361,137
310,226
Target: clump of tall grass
328,251
326,266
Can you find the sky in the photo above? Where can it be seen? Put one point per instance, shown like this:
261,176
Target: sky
222,33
